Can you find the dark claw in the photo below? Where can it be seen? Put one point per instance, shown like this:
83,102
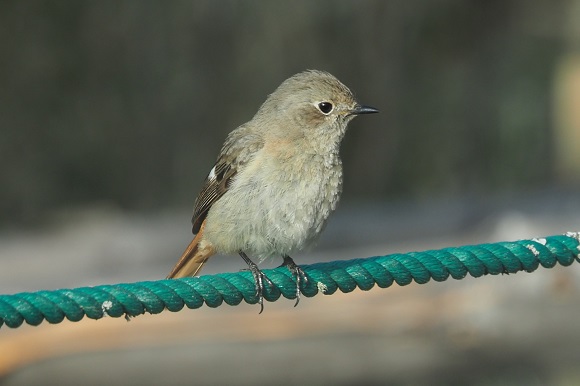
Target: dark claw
259,279
297,273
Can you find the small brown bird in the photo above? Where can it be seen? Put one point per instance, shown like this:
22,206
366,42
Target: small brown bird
276,180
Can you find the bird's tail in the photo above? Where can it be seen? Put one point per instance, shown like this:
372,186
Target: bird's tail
193,258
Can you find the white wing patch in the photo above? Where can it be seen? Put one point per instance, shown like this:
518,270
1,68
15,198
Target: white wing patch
211,175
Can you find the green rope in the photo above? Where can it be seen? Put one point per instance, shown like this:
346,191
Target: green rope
155,296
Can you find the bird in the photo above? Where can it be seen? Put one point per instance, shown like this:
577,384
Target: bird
276,180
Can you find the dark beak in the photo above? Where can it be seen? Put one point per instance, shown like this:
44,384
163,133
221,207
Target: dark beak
363,110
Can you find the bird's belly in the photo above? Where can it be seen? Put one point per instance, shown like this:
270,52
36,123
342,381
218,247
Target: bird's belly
273,214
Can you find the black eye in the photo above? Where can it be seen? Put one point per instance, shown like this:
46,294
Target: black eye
325,107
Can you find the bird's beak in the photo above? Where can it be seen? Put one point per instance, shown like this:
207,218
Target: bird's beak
358,109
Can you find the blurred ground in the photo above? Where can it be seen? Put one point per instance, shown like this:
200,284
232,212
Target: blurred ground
516,329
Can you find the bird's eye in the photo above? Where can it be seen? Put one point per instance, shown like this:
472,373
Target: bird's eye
325,107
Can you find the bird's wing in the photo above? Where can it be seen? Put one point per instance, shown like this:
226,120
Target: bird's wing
238,150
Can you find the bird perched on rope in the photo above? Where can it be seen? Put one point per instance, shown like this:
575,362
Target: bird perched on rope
276,180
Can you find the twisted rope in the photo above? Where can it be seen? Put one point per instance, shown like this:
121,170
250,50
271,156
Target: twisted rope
134,299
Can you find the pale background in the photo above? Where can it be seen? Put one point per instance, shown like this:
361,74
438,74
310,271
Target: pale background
112,113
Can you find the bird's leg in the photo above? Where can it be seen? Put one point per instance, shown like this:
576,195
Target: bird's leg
259,278
297,272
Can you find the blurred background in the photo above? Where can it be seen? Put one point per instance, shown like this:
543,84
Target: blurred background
112,113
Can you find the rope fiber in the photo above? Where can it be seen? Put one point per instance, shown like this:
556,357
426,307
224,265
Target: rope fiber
132,299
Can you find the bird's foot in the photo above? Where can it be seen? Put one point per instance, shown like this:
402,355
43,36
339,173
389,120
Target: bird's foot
297,273
259,279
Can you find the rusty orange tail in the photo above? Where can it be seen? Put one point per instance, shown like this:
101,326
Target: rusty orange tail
193,258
